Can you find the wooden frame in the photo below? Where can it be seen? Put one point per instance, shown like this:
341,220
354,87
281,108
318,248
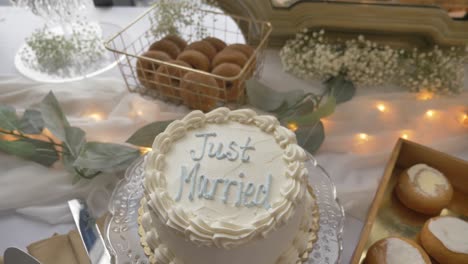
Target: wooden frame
402,25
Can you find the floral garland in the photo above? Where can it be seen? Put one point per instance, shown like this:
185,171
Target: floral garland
313,55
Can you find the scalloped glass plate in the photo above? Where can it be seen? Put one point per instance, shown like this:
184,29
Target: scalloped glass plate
123,241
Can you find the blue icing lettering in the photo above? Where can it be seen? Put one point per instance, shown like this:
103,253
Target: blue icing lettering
232,156
214,187
227,185
218,154
263,189
218,151
240,192
244,157
249,191
188,178
202,154
202,187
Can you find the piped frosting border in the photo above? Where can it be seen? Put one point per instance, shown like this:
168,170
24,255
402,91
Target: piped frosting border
221,234
298,252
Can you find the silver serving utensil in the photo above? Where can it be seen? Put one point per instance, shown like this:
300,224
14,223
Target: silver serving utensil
89,232
17,256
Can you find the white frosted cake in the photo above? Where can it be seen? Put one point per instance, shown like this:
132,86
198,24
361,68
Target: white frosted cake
227,187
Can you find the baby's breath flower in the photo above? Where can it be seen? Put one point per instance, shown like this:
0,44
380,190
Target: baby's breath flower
310,55
65,55
438,70
173,16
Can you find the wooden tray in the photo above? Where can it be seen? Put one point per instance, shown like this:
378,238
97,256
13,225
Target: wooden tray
387,216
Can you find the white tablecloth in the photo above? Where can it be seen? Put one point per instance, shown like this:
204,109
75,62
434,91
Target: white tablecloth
32,197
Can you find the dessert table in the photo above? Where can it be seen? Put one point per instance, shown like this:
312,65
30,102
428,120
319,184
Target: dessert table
33,198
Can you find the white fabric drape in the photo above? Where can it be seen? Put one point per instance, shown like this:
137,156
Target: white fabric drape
40,192
357,165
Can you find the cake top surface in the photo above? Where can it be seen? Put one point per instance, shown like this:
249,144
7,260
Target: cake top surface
427,179
452,232
224,177
399,251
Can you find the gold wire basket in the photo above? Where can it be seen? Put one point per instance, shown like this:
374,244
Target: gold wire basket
135,39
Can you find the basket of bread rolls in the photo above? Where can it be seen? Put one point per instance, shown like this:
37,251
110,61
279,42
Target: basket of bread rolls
203,65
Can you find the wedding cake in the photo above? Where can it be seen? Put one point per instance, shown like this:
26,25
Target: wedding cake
227,187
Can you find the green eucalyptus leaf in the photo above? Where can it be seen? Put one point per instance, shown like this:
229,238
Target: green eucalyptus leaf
267,99
35,150
74,139
322,111
8,119
68,161
106,156
144,136
306,106
311,137
31,122
327,108
342,89
53,116
18,148
45,152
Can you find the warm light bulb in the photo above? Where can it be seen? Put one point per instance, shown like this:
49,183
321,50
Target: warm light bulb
144,150
381,107
293,127
404,136
363,136
423,96
464,119
95,116
429,113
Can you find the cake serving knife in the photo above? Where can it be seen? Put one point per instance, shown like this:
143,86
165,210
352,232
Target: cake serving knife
89,232
17,256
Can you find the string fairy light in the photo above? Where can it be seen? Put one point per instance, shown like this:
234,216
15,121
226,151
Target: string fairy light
424,96
464,119
406,134
293,126
95,116
381,107
430,113
144,150
363,136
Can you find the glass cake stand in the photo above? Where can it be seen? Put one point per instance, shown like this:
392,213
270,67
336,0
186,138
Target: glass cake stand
123,241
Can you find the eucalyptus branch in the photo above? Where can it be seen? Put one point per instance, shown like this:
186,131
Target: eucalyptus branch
23,136
80,158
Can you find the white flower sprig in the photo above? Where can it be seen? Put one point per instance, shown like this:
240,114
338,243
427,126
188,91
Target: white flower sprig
172,16
312,55
438,70
65,54
367,63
